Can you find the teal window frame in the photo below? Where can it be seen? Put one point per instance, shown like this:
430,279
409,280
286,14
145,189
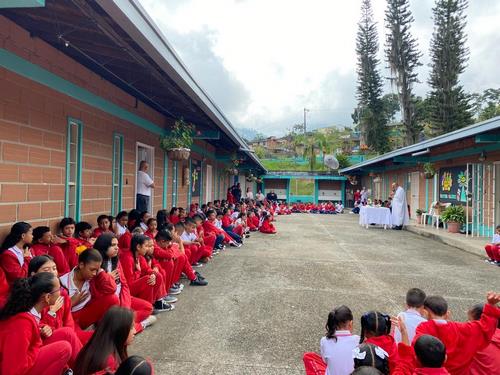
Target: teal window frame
117,172
73,125
165,180
175,177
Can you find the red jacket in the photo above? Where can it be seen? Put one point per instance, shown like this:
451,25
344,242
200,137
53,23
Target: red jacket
55,252
131,272
487,361
174,219
11,266
267,227
20,344
63,316
407,364
226,221
4,288
69,250
387,343
209,227
106,284
462,340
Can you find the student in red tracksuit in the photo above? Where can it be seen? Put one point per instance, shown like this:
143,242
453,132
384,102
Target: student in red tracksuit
487,360
209,226
21,349
58,315
174,215
200,252
266,226
84,236
44,243
462,340
376,330
108,346
211,240
182,264
155,266
107,245
88,308
103,226
4,288
15,253
69,243
152,230
143,282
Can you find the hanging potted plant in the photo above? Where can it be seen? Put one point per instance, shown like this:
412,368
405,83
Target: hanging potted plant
178,143
429,171
454,217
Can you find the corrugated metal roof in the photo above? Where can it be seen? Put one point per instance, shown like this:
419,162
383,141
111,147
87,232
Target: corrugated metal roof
469,131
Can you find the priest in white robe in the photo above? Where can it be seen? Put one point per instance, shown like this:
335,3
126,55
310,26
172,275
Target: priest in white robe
399,207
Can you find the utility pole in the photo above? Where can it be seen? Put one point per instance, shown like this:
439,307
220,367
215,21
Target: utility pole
305,120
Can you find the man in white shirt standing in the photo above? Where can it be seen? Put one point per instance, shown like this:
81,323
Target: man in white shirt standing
144,185
399,207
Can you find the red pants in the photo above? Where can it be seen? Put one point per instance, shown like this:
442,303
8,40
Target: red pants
69,335
238,230
209,240
94,310
168,267
314,364
51,359
183,265
150,293
493,251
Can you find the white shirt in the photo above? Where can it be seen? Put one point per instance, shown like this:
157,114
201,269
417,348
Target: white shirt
249,194
67,281
18,253
109,269
259,196
36,314
338,354
143,183
188,236
121,229
412,319
218,224
143,226
496,238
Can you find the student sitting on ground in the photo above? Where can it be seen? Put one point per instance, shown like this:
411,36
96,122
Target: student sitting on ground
103,226
266,226
68,241
57,315
336,346
135,365
107,348
21,350
487,360
462,340
376,330
107,245
493,248
370,355
121,223
87,308
412,317
44,243
15,254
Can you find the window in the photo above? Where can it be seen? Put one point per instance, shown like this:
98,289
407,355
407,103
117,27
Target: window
117,174
73,169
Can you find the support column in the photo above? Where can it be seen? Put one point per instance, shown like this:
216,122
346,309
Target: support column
165,180
189,184
288,191
342,187
175,176
316,191
201,182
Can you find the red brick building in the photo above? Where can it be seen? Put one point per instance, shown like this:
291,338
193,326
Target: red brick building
86,90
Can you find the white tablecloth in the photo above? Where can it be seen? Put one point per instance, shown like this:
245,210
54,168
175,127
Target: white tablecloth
375,215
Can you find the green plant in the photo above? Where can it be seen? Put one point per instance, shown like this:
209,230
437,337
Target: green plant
420,211
181,136
429,169
454,214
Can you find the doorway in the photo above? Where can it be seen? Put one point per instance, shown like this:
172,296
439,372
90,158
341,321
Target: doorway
209,182
146,153
414,192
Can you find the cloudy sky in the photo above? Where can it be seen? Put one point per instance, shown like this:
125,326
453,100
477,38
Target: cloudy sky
263,61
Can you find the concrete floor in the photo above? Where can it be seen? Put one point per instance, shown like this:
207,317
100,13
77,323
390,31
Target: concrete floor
267,303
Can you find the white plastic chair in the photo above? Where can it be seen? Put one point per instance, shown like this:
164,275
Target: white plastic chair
430,213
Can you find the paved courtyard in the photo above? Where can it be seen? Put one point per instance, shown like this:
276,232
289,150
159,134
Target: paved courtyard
267,302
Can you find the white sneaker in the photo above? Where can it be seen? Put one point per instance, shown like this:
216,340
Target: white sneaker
149,321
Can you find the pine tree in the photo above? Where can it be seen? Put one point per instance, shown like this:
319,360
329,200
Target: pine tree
369,91
450,105
403,57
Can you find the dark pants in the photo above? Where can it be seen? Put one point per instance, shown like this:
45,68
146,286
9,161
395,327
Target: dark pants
142,203
219,241
234,236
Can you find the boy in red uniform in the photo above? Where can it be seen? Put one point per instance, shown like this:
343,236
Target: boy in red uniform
462,340
103,226
69,243
44,243
493,249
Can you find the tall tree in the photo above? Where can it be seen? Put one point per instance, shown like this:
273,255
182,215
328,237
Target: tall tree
450,105
403,57
372,117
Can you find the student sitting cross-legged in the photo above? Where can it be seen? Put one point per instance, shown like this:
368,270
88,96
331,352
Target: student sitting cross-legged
21,348
336,346
87,307
15,254
493,249
44,243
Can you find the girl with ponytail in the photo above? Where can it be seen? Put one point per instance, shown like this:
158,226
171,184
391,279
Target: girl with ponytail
336,346
15,253
21,347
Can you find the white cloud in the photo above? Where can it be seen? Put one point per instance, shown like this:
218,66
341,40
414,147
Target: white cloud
283,55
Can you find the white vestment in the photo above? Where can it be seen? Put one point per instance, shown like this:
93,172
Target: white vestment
399,206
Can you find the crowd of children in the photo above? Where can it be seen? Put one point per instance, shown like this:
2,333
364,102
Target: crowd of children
330,208
421,340
71,302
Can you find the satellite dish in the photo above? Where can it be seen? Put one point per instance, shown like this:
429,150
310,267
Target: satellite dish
331,161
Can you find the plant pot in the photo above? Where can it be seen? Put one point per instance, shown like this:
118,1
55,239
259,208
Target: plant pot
178,154
419,219
453,227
